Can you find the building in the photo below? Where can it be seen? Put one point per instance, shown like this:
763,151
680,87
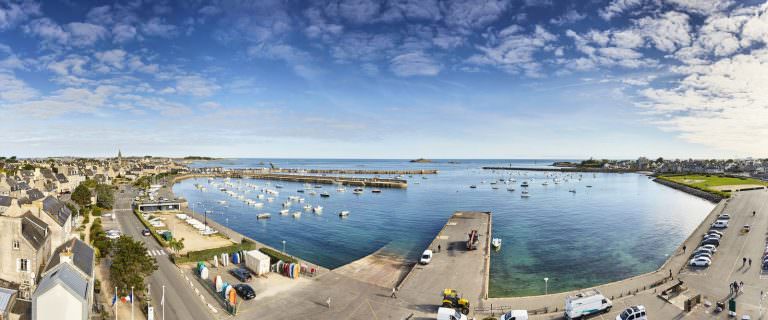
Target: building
7,301
59,219
65,291
25,245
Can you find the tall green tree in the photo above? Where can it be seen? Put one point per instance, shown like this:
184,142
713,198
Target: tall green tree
105,196
176,244
81,195
130,264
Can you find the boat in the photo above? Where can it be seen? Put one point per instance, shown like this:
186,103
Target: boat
525,194
263,216
284,212
545,183
286,204
222,202
358,191
375,191
325,194
278,186
270,199
258,204
496,243
317,209
300,191
297,214
312,193
307,207
318,186
524,184
572,191
495,188
341,190
344,213
510,189
589,186
473,187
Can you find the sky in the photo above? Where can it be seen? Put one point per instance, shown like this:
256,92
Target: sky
385,79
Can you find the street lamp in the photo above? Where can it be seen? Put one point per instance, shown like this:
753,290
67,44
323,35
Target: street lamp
283,246
546,286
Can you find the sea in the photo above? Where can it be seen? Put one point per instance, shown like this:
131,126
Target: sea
586,230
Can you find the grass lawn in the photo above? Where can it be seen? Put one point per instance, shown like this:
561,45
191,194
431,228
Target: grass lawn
711,182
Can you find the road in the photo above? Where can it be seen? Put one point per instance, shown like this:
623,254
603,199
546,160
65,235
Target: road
181,303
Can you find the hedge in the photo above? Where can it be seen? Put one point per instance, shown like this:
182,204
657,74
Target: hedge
275,255
208,254
152,231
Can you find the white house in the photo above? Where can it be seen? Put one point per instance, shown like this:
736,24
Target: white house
65,291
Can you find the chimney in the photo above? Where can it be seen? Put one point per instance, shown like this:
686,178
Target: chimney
65,255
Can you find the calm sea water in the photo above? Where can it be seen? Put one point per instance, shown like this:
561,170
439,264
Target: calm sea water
623,225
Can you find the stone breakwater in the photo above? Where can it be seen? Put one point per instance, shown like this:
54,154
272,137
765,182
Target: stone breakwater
692,191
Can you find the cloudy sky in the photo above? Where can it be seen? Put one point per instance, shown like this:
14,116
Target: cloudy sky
385,79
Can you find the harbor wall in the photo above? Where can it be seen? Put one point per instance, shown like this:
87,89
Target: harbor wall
563,169
692,191
353,171
359,182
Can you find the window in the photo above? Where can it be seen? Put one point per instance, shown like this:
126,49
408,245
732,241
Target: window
23,264
16,245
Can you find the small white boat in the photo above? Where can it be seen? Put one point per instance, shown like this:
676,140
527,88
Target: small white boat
270,199
286,204
307,207
317,209
263,216
341,190
297,214
312,193
284,212
496,243
222,202
344,213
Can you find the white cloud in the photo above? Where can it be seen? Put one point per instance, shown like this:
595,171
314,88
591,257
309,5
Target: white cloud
414,64
196,86
113,58
668,32
705,7
72,64
123,32
157,27
13,89
617,7
100,15
47,30
569,17
514,51
474,13
363,46
12,13
397,10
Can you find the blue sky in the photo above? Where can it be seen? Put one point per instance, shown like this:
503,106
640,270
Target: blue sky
385,79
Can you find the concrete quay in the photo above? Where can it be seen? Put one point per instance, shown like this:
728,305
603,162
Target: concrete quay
353,171
561,169
313,179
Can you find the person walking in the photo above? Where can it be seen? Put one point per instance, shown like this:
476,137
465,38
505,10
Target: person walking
730,287
750,262
394,293
683,248
743,261
438,248
328,302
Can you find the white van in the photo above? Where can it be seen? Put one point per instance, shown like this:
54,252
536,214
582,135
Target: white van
450,314
586,303
515,315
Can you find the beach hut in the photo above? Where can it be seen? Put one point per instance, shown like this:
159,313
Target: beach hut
257,262
215,261
232,297
227,290
218,283
236,258
204,273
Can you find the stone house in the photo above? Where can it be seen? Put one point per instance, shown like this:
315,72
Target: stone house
25,245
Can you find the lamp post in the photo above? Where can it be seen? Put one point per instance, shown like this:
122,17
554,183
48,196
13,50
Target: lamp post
283,246
546,286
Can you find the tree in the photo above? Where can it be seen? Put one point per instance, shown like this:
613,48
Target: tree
27,166
176,244
130,264
99,238
82,195
105,196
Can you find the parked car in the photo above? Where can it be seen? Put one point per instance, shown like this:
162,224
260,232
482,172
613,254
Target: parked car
700,262
710,247
515,315
703,255
426,257
633,313
703,250
712,241
720,224
241,274
145,232
715,232
450,314
724,216
245,291
113,234
713,235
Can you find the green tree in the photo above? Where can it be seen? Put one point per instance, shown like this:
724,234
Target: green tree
27,166
130,264
176,244
82,196
99,238
105,196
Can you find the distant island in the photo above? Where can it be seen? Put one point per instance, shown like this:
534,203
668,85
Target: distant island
564,164
421,160
198,158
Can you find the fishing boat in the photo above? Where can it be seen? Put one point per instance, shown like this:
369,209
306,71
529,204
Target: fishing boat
325,194
496,243
376,191
344,213
284,212
263,216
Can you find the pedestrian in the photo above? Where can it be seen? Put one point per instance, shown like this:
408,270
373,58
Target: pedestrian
741,285
394,293
743,261
730,287
683,248
753,213
670,273
438,248
328,302
750,262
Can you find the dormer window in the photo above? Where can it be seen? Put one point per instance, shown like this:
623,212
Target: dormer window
16,245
